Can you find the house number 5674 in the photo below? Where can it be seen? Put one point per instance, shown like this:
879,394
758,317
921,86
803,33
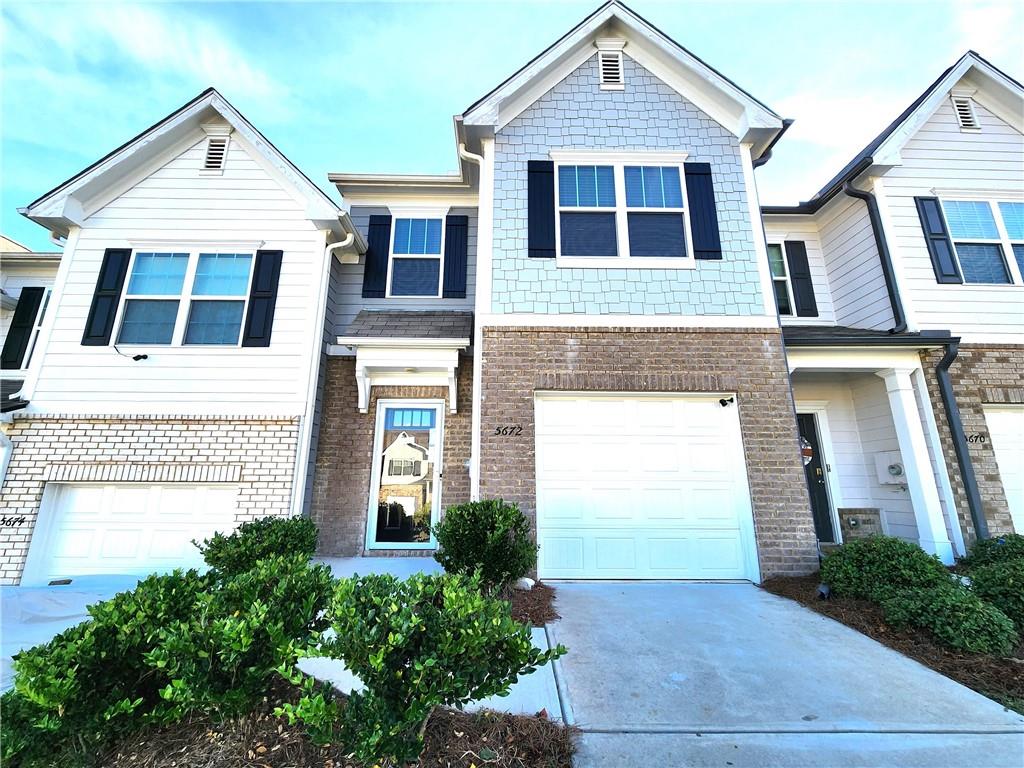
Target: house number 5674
510,430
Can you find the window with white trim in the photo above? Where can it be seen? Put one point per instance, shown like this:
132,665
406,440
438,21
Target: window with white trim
780,278
37,328
984,233
416,260
631,207
185,298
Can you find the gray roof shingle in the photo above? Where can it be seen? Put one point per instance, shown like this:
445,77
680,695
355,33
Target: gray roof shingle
372,324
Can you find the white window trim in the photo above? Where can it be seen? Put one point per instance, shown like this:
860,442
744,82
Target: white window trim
784,278
184,298
417,213
618,161
1003,241
377,469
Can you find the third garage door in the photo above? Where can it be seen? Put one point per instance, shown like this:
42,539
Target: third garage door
642,487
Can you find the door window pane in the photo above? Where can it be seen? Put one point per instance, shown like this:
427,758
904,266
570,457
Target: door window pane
148,321
222,274
214,322
982,263
158,274
407,483
970,219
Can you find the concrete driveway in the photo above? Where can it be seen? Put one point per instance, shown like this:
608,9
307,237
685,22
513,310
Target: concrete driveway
676,674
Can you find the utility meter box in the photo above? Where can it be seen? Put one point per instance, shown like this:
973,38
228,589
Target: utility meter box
889,467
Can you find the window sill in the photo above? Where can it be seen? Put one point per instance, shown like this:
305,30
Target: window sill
619,262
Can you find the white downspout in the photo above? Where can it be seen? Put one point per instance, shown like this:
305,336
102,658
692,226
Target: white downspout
472,157
305,446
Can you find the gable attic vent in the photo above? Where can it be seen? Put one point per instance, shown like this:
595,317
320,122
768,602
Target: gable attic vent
216,152
610,65
965,115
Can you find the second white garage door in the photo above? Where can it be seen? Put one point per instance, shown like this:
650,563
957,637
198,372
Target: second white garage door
125,528
1006,429
642,487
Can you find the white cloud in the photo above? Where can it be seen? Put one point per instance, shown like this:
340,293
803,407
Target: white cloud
993,28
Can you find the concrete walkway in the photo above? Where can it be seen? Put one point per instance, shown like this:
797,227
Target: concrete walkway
684,674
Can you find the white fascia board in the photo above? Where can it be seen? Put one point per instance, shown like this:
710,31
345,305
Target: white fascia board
848,358
400,343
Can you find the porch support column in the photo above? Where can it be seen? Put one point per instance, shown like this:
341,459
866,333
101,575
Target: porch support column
924,495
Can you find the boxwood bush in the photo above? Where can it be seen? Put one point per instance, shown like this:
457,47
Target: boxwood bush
489,536
955,616
428,641
999,549
178,643
874,567
1002,585
257,540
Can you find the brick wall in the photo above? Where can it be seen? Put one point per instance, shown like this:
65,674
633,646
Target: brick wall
257,455
647,116
341,484
981,374
519,361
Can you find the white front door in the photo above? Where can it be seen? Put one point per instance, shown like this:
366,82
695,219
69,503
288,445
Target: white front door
405,486
127,528
642,487
1006,430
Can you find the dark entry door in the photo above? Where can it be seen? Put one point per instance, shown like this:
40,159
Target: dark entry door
814,470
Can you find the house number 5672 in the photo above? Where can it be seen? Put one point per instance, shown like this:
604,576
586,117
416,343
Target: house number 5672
511,430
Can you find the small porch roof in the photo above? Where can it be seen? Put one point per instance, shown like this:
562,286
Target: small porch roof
845,336
375,328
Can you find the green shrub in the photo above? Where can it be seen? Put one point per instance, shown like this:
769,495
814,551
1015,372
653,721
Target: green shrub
176,644
998,549
872,568
490,536
1002,585
257,540
955,616
415,644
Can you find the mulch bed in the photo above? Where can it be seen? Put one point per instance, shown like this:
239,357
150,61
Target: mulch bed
1001,679
261,740
535,606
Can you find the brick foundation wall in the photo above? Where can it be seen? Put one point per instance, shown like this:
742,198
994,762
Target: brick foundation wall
868,519
981,375
751,363
341,483
256,454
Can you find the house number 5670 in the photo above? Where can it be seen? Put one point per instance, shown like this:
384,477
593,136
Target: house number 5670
511,430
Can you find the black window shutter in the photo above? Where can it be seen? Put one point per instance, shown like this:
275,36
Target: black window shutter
20,331
456,251
540,193
100,323
940,247
800,279
259,321
378,244
700,195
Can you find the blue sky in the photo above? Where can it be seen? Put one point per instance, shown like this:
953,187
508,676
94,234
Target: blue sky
350,86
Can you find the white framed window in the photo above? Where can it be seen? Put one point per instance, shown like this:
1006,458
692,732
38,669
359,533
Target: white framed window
185,298
416,257
621,209
988,239
780,278
37,327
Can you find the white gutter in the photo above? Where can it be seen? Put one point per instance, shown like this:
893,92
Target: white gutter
305,446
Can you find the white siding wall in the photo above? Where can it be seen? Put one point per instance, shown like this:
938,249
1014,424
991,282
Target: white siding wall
246,203
854,272
941,157
778,229
347,281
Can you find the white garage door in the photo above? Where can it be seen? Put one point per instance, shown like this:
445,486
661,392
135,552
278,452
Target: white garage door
125,529
1006,429
638,487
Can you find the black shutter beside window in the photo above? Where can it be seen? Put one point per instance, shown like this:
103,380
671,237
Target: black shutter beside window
100,323
456,255
940,247
700,195
800,279
19,334
375,270
540,193
259,322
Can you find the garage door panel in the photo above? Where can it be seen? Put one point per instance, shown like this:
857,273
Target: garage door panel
1006,430
125,528
672,503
